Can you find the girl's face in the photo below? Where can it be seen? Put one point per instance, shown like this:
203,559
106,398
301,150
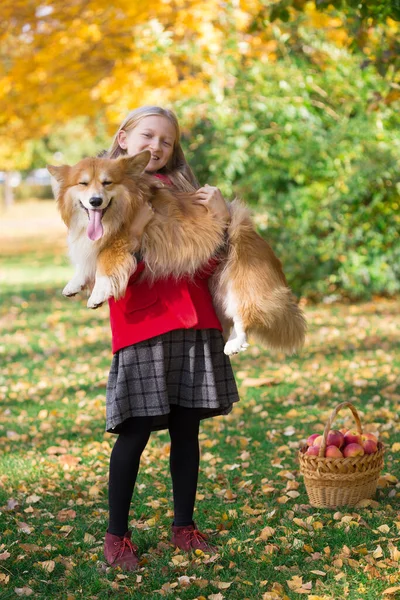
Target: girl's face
154,133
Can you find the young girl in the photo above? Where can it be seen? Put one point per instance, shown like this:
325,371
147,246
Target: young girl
169,369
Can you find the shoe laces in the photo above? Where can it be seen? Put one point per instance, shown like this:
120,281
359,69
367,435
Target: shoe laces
124,544
194,535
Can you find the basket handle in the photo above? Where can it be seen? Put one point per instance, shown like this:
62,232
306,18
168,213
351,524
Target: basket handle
332,417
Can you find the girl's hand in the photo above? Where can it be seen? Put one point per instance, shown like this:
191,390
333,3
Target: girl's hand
143,217
212,199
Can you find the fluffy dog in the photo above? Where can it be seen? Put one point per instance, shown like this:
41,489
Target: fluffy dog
98,199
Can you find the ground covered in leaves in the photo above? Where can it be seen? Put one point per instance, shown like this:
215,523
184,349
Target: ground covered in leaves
54,454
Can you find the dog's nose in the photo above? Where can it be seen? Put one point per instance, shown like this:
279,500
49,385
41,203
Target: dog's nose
95,201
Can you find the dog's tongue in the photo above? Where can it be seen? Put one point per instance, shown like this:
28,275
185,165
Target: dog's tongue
95,228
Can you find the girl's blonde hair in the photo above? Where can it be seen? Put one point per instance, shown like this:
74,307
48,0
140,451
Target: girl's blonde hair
177,167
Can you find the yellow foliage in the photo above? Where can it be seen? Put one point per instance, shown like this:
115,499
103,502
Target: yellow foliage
63,59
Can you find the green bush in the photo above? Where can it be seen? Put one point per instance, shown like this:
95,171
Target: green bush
310,148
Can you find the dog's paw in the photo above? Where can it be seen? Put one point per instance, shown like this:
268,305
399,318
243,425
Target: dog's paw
72,288
236,345
101,292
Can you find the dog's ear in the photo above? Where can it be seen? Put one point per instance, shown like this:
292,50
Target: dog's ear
135,165
58,176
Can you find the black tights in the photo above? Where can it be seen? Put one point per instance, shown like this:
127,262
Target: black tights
184,465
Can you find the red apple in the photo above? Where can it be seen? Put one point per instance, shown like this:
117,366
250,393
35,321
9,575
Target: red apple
335,438
353,450
333,452
370,447
313,451
352,437
370,436
312,438
318,441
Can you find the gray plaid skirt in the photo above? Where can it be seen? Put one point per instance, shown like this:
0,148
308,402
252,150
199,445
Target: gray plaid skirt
186,367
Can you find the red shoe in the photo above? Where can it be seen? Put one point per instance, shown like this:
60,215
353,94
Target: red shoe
189,538
120,552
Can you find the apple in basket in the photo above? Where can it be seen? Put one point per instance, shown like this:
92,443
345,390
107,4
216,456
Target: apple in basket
313,450
353,450
335,438
310,440
352,437
333,452
370,443
344,443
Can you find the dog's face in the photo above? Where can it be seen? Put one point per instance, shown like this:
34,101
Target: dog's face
95,187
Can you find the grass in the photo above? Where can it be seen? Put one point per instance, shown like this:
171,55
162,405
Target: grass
54,458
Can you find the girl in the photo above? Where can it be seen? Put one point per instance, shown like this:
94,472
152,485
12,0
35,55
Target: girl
169,369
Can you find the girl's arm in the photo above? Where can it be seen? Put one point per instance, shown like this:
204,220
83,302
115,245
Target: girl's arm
144,216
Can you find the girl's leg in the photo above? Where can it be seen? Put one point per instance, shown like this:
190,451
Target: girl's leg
184,461
124,467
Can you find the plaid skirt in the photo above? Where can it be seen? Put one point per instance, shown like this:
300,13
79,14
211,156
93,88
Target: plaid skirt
186,367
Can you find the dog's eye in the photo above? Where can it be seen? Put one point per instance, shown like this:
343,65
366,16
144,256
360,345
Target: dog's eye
107,182
83,183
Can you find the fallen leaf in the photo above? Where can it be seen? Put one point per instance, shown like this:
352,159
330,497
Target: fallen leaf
33,499
25,528
378,552
24,591
392,590
266,533
66,514
47,565
56,450
258,381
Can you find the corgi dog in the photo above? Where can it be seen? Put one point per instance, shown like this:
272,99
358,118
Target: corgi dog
98,199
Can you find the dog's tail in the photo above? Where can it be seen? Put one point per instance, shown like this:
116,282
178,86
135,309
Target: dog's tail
266,304
279,323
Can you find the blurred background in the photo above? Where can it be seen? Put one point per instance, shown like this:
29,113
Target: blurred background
292,105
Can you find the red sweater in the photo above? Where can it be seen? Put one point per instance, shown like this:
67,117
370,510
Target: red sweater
148,310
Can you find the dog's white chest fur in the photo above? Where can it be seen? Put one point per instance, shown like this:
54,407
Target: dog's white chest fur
83,253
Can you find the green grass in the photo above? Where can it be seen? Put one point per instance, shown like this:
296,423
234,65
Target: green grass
55,356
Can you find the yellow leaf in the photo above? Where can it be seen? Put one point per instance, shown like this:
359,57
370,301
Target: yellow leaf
267,532
392,590
178,559
394,552
396,447
378,552
258,382
293,494
267,489
384,528
222,585
283,499
94,490
229,495
47,565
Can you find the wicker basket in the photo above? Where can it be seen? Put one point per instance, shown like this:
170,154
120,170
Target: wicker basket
332,482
